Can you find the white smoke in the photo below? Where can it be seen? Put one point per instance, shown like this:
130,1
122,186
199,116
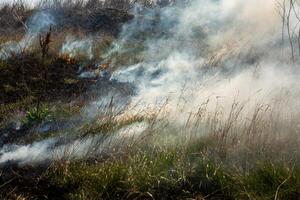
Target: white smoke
36,152
36,24
78,47
212,49
50,149
221,50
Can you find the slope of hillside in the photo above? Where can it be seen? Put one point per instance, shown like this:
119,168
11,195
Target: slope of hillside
193,99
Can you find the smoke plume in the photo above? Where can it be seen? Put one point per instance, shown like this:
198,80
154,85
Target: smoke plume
221,50
187,53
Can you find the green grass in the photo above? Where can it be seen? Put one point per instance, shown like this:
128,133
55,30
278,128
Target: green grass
170,162
175,172
165,175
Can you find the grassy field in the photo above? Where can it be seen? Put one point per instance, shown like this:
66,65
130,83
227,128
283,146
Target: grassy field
207,158
68,135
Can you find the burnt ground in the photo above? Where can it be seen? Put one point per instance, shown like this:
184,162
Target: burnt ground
106,20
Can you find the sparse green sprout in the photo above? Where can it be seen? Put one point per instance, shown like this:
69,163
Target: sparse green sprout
37,115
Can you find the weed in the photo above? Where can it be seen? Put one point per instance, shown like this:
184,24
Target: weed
36,115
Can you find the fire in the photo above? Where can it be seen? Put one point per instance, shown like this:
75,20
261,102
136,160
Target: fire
68,59
104,66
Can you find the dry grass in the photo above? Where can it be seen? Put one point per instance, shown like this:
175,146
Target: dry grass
212,156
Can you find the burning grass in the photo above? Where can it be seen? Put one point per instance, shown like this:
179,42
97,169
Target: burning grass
86,115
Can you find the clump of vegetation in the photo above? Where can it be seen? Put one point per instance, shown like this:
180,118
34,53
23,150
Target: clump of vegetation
36,115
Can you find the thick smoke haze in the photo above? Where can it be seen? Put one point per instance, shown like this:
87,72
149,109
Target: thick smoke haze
224,51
